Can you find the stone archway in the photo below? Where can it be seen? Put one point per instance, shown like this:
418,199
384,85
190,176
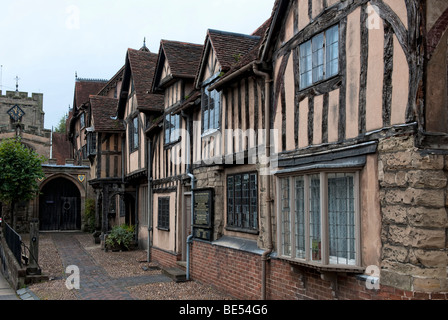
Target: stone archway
60,205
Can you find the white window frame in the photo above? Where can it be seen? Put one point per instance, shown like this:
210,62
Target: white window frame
326,260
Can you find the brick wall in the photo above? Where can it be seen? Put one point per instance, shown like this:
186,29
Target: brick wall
163,258
238,273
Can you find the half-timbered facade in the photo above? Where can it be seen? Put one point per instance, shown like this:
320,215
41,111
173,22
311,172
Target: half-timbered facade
308,159
357,177
170,140
135,104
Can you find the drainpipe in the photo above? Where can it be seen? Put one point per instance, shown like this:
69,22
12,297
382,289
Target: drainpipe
270,246
193,186
149,198
190,237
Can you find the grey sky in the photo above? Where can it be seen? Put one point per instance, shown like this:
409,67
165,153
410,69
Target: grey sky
45,42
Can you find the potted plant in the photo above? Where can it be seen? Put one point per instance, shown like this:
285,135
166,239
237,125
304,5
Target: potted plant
316,250
121,238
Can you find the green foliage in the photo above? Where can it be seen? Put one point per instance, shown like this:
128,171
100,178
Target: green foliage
20,170
62,126
121,237
90,215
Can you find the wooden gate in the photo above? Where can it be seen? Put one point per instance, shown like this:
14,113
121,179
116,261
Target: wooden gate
60,205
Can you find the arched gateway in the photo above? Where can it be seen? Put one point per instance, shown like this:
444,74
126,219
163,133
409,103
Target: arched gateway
60,206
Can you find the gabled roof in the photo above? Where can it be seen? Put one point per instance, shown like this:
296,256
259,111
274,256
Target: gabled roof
182,57
103,113
84,88
140,66
112,83
229,48
245,62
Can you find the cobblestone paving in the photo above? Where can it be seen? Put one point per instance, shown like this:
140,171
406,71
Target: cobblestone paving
95,283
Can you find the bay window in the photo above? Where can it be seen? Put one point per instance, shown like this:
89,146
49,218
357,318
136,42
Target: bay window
319,218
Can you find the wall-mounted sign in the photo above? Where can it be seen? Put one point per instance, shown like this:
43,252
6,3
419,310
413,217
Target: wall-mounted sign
203,214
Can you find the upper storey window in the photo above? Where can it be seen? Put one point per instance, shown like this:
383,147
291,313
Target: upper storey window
211,110
319,58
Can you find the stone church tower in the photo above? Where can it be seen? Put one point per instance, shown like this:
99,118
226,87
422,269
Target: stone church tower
22,115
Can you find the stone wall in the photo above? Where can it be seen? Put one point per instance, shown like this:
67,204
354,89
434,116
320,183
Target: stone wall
413,199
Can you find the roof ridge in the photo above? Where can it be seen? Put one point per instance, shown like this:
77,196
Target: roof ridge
234,34
181,42
91,80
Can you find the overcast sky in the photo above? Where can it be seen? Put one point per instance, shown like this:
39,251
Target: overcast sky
45,42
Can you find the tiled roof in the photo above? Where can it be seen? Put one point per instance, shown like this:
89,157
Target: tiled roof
103,110
231,47
143,66
183,58
254,53
84,88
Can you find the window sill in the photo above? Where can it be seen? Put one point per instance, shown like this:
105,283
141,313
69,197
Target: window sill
163,229
241,230
324,268
210,132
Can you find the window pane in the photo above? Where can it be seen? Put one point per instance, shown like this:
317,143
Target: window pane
242,205
315,219
245,201
300,218
306,65
230,200
238,211
253,202
341,216
214,122
318,57
136,136
332,55
167,128
286,218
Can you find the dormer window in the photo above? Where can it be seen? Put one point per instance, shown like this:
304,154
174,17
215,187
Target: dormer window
319,58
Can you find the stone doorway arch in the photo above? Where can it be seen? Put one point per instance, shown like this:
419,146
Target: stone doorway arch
60,205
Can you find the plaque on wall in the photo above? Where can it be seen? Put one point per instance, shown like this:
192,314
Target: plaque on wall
203,214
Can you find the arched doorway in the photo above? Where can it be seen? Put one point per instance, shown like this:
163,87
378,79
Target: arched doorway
60,206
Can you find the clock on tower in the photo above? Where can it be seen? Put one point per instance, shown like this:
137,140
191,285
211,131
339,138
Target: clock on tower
16,113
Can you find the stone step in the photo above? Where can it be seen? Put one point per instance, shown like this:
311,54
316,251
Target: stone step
182,265
177,274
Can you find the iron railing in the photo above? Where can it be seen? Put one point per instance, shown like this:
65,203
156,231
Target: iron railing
14,242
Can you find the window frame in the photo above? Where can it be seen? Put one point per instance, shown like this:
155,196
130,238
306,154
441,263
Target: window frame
325,259
82,120
205,108
171,139
163,217
254,226
325,57
134,132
